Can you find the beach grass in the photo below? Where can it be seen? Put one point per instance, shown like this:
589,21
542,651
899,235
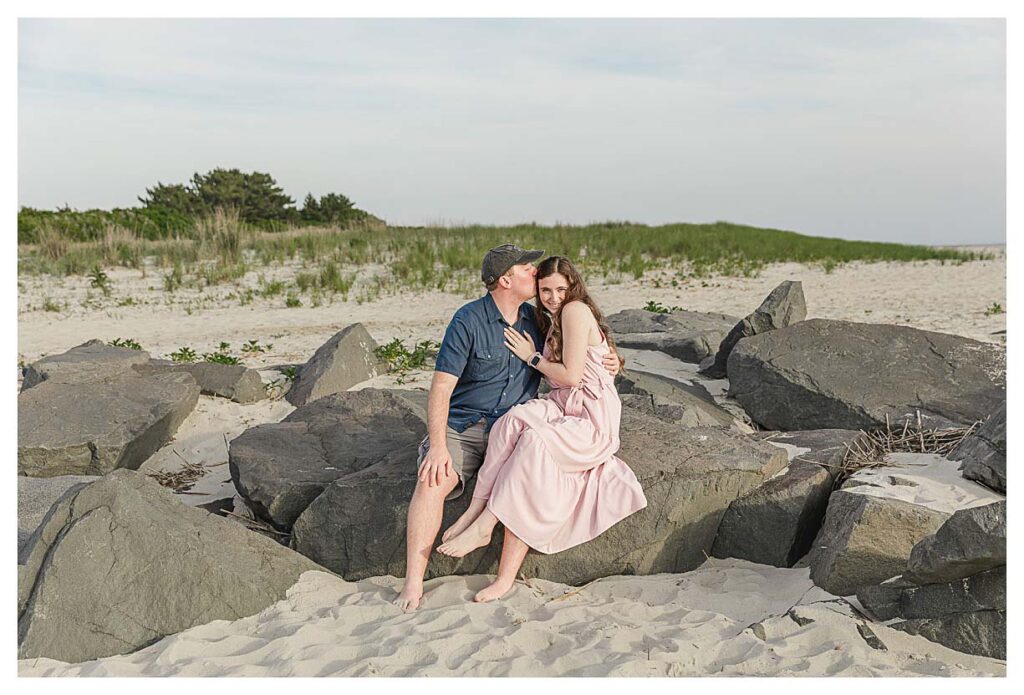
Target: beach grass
222,249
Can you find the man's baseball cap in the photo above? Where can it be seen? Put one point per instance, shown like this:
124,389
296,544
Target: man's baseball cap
499,259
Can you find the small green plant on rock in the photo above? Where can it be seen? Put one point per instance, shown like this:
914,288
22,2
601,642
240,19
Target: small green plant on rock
659,308
400,360
222,355
184,354
129,343
292,301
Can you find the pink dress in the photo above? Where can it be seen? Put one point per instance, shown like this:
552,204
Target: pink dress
550,473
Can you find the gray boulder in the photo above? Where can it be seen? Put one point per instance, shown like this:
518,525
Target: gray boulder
982,633
92,428
900,598
280,468
686,335
234,381
37,495
91,361
345,360
689,405
357,525
972,540
821,373
784,306
776,523
866,539
983,452
121,563
967,614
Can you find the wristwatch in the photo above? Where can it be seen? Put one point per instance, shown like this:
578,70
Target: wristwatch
535,360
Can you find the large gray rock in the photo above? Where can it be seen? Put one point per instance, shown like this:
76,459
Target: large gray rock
983,452
91,361
37,495
92,428
687,335
357,525
234,381
900,598
339,364
689,405
821,373
280,468
972,540
784,306
980,632
776,523
866,539
121,563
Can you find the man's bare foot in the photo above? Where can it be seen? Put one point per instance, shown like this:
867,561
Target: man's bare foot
463,522
409,599
496,590
477,535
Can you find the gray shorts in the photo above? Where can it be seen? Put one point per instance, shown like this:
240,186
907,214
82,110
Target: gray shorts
467,450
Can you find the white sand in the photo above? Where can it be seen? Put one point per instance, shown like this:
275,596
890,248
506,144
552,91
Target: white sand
928,480
925,294
698,623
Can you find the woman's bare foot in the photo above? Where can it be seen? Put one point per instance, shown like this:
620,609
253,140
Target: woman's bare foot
463,522
476,535
409,599
496,590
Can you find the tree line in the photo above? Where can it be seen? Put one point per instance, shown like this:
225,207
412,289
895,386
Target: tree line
169,210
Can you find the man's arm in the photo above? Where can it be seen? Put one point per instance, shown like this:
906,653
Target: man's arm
438,461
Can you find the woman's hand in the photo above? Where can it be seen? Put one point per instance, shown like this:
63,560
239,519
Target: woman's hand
521,344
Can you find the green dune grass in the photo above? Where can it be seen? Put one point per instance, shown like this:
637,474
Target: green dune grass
449,257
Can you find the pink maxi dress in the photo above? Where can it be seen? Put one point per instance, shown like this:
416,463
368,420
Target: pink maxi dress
550,474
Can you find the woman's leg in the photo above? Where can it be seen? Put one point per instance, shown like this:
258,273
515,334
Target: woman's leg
500,444
476,535
513,552
477,505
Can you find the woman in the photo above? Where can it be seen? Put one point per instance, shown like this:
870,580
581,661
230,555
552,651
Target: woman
550,474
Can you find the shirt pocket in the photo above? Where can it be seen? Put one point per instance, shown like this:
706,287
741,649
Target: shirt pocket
485,363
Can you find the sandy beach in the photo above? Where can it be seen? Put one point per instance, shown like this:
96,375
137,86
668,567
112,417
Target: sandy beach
729,617
925,294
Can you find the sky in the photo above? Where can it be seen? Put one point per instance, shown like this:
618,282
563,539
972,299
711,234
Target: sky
887,129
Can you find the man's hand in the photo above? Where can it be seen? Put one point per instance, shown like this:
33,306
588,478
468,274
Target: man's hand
437,464
611,363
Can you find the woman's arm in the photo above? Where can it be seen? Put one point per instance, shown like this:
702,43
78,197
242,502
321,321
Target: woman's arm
577,321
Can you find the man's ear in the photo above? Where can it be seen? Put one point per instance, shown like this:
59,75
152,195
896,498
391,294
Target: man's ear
505,281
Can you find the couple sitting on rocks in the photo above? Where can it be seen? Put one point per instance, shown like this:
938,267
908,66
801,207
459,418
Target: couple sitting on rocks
546,467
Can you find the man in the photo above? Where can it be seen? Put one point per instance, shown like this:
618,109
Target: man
476,380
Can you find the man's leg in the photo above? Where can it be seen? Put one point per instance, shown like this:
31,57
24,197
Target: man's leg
513,552
425,512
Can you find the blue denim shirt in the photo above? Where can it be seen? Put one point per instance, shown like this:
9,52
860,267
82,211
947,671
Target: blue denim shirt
491,378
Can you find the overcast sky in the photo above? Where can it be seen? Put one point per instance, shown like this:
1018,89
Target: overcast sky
888,130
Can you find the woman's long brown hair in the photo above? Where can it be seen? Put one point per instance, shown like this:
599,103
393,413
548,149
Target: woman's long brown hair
577,291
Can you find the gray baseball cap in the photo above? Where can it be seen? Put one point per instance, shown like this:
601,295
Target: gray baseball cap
499,259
